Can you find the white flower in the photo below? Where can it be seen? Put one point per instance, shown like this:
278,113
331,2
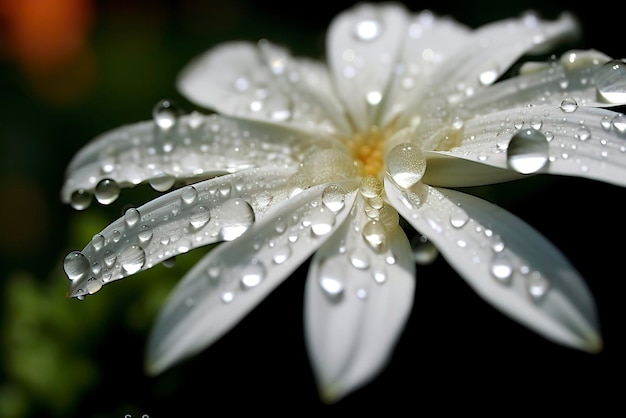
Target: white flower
340,162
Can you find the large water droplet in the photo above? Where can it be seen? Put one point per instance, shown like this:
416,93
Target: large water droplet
406,164
252,275
80,199
333,197
165,113
569,105
528,151
375,235
107,191
132,259
236,216
131,217
189,194
199,217
76,265
370,187
611,82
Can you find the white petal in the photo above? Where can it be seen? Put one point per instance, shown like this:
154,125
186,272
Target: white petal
263,82
363,44
219,209
506,262
579,141
357,300
573,76
486,53
195,147
232,279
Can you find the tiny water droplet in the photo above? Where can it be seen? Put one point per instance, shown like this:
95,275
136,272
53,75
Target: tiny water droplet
569,105
107,191
227,297
379,276
76,265
80,199
406,164
528,151
132,259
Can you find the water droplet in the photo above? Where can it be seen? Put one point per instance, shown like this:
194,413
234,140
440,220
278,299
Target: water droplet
282,254
488,77
379,276
228,297
569,105
502,268
162,183
80,199
97,242
93,285
165,113
322,222
107,191
189,194
611,82
131,217
619,123
252,275
333,197
582,133
528,151
537,285
235,217
359,259
199,216
458,218
330,280
406,164
76,265
375,235
367,30
109,258
145,234
361,294
132,259
370,187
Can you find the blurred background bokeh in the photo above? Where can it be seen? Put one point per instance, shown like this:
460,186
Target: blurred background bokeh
72,69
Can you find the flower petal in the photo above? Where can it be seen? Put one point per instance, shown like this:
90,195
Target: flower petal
232,279
193,147
505,261
569,140
357,300
363,43
486,53
589,77
196,215
264,82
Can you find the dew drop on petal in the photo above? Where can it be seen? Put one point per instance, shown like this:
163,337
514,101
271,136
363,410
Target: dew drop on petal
331,281
367,30
107,191
458,218
501,268
80,199
370,187
375,235
165,113
406,164
569,105
322,222
200,216
611,82
131,217
333,197
619,123
145,234
281,254
93,285
236,216
189,195
76,265
537,285
227,297
97,242
359,259
252,275
528,151
132,259
162,182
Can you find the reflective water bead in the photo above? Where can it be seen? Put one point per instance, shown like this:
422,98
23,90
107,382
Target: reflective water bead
370,187
109,258
322,222
97,242
537,285
528,151
582,133
107,191
281,254
359,259
406,164
132,259
379,276
569,105
375,235
501,268
145,234
333,197
619,123
200,216
458,218
252,275
227,297
131,217
165,113
80,199
235,217
93,285
76,265
389,217
189,195
162,182
611,82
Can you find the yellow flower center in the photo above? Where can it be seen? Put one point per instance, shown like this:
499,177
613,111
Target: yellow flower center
368,150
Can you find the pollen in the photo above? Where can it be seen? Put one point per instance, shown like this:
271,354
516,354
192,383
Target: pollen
368,150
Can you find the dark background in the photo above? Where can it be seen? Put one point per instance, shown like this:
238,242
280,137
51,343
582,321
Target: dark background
71,69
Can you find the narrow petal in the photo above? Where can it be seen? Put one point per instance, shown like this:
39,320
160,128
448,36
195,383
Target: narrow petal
357,298
505,261
568,140
263,81
363,44
193,146
196,215
589,77
232,279
486,53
